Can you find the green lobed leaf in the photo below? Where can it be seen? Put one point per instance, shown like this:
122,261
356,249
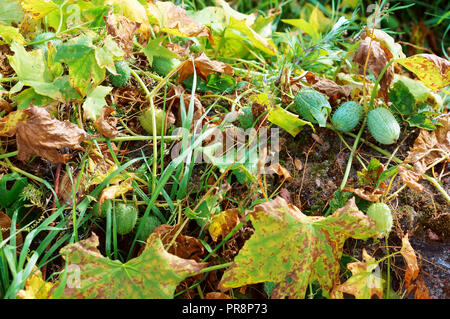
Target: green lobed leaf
153,275
107,54
79,54
154,48
293,250
95,100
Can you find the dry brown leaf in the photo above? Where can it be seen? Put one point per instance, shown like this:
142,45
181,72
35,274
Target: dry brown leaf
179,50
412,268
286,195
367,192
122,30
185,247
65,190
46,136
223,223
280,171
5,226
421,291
327,87
298,164
216,295
106,124
114,191
5,105
377,61
430,146
204,66
410,178
174,20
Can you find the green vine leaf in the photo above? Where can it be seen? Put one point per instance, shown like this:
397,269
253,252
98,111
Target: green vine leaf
293,250
79,54
365,280
153,275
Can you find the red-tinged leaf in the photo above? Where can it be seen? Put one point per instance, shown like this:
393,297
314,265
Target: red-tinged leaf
293,250
432,70
153,275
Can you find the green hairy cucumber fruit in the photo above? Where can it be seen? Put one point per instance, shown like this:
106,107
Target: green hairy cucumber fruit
107,204
163,65
148,223
123,74
383,126
146,120
347,116
381,214
126,217
312,106
246,118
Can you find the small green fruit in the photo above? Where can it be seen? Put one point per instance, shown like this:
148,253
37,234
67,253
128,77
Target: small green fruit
347,116
107,204
123,74
163,65
148,223
146,120
383,126
381,214
126,217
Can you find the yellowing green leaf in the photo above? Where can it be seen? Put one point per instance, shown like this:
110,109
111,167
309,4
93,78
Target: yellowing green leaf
303,25
10,34
263,44
79,54
223,223
432,70
39,8
35,287
365,280
153,275
293,250
8,124
106,54
288,121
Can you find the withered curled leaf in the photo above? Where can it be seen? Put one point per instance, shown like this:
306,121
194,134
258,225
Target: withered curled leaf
122,30
45,136
430,146
378,59
106,124
204,66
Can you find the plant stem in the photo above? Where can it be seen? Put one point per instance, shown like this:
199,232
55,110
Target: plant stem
352,152
215,267
6,155
10,79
